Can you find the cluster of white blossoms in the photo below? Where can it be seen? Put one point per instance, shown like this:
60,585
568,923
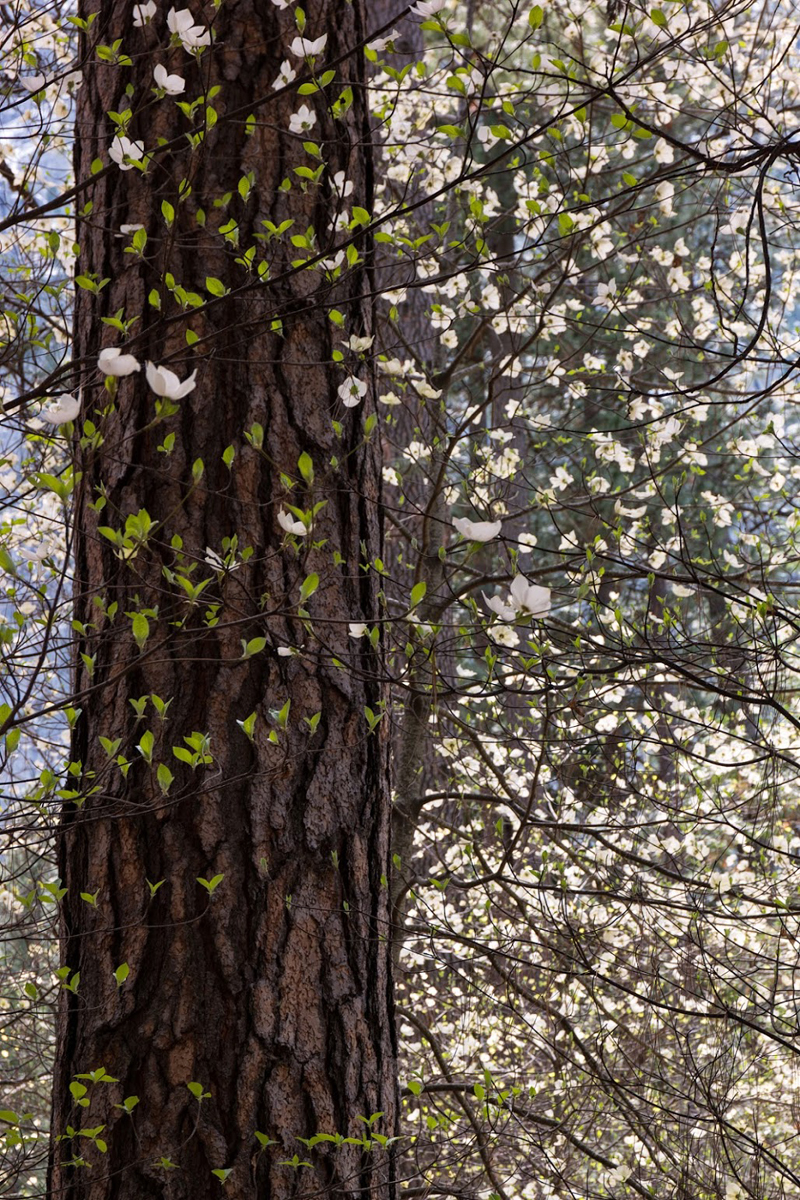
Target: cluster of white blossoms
117,364
180,22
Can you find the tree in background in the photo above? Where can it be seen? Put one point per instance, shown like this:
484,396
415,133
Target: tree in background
564,311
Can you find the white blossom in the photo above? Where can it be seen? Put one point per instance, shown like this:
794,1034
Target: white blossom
478,531
343,185
303,120
352,391
503,610
382,42
526,600
427,8
143,13
122,148
287,522
356,629
529,597
218,562
173,85
33,83
166,383
126,229
65,408
112,361
307,47
181,22
285,76
359,344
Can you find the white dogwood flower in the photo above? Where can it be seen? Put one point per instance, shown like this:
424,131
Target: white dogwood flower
356,629
504,611
303,120
173,85
427,8
478,531
182,23
112,361
65,408
288,522
359,344
143,13
122,148
166,383
526,600
285,76
343,185
529,597
33,83
307,47
352,391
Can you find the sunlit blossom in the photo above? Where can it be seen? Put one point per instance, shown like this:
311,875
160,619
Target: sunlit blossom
308,47
304,119
143,13
113,361
352,391
123,148
291,524
166,383
173,85
478,531
65,408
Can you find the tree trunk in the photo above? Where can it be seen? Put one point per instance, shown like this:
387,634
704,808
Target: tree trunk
271,989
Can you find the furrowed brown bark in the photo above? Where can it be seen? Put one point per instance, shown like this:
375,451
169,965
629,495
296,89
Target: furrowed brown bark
274,992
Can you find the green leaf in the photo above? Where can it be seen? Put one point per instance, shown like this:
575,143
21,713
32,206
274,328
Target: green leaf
215,286
309,586
658,17
164,777
305,466
145,746
248,725
140,627
210,885
418,593
121,974
536,16
254,646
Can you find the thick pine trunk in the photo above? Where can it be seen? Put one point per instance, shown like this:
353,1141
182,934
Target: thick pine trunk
274,993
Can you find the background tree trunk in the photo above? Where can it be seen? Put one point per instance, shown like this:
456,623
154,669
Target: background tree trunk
274,992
